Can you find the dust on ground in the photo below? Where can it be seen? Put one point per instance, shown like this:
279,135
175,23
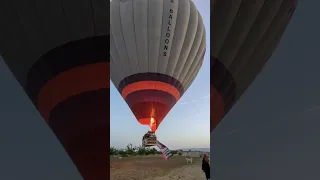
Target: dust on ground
155,168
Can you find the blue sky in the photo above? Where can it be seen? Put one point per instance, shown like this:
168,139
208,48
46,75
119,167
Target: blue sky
188,123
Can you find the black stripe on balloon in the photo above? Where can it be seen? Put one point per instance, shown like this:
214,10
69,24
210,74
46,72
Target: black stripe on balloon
151,77
154,96
223,81
81,123
73,54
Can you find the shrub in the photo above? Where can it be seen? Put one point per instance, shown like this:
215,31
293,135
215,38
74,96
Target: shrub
131,150
113,151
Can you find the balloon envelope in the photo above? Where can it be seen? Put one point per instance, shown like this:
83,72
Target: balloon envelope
156,49
63,65
245,34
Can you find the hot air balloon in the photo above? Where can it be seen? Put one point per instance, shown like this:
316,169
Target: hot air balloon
244,34
156,51
58,52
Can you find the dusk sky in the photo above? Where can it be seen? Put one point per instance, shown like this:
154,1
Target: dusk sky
273,131
188,123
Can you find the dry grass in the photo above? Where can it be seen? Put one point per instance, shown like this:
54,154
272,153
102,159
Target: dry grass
150,167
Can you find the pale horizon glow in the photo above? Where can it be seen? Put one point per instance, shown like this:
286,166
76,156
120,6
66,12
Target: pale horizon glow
188,123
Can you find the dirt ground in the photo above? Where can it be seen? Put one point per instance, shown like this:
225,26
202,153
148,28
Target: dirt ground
155,168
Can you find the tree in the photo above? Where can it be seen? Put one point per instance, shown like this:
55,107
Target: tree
130,150
133,151
113,151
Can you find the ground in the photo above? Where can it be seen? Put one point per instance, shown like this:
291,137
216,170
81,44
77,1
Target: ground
155,168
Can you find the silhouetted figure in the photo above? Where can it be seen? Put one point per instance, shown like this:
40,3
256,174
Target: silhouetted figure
206,166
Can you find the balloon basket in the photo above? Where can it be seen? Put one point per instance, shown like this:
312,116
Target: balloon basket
149,139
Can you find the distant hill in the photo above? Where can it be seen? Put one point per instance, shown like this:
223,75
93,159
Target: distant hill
196,149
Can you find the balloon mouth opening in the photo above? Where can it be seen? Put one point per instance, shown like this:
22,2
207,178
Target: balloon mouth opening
151,122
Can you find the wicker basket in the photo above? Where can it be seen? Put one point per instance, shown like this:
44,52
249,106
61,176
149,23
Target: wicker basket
149,139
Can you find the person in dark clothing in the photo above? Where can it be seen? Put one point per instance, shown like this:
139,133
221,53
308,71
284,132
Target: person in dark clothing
206,166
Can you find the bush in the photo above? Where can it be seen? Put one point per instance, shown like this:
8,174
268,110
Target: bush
133,151
174,152
113,151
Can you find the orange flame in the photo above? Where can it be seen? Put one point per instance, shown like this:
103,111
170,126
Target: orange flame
152,121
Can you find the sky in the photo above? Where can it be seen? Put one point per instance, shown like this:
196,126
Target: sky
271,133
188,123
273,130
28,148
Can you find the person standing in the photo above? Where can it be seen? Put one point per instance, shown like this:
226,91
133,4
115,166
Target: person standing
206,166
